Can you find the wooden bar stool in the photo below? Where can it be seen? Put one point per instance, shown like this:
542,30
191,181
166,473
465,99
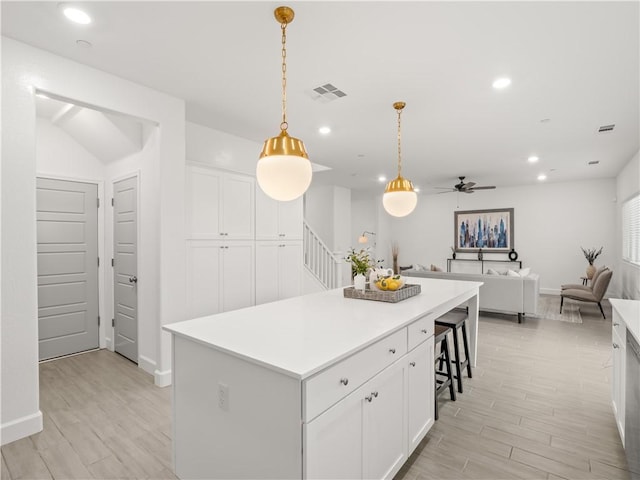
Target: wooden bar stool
458,321
443,370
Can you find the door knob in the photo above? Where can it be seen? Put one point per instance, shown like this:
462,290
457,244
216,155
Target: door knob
133,279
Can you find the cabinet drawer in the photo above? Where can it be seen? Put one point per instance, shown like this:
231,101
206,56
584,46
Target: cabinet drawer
329,386
419,331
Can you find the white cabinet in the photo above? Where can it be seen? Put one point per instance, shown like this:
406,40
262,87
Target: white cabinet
370,431
220,205
278,220
420,396
278,270
220,276
619,344
384,429
364,435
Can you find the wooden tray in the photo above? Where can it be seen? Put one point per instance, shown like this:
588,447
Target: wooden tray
383,295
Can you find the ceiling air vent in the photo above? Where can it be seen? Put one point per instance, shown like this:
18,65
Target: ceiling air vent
327,93
594,162
606,128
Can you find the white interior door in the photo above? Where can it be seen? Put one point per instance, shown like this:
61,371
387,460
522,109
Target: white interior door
125,268
67,233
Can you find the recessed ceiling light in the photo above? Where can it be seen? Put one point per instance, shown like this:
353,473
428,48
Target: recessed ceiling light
83,44
532,159
501,82
542,177
382,178
324,130
76,15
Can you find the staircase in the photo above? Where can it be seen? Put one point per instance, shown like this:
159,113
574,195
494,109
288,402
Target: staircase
319,261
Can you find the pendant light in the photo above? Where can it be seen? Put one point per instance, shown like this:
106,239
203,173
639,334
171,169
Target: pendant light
399,198
284,170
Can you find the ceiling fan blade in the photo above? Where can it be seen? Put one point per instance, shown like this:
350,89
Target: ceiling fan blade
469,185
469,191
445,188
448,191
485,188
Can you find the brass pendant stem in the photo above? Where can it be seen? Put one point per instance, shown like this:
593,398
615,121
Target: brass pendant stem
399,106
284,16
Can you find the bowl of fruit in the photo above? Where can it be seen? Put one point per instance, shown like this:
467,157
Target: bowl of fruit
389,282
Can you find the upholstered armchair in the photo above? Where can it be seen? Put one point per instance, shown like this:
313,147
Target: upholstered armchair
575,286
592,295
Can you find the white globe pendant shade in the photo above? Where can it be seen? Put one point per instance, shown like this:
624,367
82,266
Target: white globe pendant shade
399,198
284,177
284,171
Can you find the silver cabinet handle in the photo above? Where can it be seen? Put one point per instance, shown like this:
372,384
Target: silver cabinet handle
424,330
615,345
344,381
392,350
413,364
368,398
133,279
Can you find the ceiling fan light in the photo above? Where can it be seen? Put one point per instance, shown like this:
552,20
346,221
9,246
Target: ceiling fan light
399,198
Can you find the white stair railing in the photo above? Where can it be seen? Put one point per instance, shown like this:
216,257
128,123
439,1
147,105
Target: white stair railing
320,261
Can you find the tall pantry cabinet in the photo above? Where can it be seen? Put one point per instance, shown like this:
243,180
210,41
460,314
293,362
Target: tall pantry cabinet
243,248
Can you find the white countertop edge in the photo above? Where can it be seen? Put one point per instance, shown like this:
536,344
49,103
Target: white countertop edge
331,361
629,312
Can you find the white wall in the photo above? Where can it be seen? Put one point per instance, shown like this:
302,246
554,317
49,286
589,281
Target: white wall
627,185
24,69
221,150
552,222
318,212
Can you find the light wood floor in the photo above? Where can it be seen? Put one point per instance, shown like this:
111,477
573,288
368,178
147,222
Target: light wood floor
538,407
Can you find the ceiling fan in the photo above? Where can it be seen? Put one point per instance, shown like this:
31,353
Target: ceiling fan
468,187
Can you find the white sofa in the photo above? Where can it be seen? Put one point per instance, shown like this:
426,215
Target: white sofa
499,293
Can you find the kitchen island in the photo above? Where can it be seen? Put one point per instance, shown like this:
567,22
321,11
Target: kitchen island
317,386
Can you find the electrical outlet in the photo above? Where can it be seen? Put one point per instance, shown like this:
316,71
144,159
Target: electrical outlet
223,396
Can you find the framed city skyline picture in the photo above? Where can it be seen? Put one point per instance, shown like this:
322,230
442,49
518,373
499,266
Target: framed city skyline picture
491,230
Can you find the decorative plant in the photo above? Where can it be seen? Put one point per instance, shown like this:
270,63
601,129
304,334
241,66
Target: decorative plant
361,261
591,254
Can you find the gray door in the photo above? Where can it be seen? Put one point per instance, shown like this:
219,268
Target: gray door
67,232
125,228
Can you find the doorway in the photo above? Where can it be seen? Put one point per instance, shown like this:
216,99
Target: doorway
125,270
67,236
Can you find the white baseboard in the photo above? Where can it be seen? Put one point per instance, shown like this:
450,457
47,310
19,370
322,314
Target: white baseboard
162,379
550,291
147,364
21,428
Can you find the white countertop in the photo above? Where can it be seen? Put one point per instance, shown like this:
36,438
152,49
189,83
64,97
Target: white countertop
302,335
629,311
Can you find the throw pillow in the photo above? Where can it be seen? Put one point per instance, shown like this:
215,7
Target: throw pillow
511,273
491,271
524,272
435,268
420,268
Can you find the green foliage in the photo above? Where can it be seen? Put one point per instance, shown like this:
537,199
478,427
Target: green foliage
591,254
361,261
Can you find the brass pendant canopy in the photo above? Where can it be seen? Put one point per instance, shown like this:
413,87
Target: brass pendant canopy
399,184
283,144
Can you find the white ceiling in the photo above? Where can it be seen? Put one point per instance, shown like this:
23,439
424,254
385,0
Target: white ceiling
574,63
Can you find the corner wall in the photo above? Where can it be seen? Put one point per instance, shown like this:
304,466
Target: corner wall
627,185
24,69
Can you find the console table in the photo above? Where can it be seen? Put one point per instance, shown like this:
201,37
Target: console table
316,386
482,262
